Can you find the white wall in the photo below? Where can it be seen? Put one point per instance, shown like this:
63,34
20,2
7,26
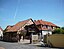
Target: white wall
46,32
1,33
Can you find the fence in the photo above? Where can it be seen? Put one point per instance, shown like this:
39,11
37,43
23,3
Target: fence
55,40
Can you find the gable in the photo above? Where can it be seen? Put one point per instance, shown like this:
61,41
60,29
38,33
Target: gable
29,23
21,25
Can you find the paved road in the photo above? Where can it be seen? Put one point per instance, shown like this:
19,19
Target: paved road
8,45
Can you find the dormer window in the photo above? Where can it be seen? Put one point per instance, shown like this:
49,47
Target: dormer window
49,27
44,26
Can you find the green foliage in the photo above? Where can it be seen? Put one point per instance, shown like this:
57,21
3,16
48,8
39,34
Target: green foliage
58,31
63,28
62,31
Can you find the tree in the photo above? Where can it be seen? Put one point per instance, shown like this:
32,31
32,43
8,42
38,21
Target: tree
62,31
63,28
58,31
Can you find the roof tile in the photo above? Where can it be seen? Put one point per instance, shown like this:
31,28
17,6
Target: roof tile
44,23
17,26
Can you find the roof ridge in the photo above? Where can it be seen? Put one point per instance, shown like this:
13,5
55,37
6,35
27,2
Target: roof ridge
45,22
24,20
39,21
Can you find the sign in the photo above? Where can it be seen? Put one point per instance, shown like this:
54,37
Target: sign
34,38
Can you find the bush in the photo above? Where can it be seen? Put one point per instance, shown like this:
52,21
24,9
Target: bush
63,28
58,31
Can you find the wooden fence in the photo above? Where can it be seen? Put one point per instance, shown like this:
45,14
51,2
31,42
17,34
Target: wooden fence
55,40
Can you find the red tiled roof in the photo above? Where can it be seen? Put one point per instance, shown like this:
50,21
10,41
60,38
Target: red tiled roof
9,27
17,26
44,23
41,22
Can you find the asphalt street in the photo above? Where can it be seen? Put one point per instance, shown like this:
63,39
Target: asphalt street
8,45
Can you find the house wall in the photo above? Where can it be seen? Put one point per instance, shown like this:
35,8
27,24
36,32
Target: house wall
1,33
10,36
46,32
43,33
34,38
30,28
29,22
49,27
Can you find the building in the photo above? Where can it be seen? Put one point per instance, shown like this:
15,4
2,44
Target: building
45,27
1,33
27,28
23,28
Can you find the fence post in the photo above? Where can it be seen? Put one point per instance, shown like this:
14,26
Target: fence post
47,39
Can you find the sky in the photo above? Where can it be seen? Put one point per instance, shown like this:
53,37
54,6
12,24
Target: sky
13,11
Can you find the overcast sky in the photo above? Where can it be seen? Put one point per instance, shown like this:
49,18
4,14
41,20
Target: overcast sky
13,11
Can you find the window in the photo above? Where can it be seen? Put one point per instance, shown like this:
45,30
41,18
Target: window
49,27
44,26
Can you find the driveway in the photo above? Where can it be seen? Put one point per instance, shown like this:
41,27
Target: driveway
8,45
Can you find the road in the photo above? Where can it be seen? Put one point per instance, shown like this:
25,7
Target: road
8,45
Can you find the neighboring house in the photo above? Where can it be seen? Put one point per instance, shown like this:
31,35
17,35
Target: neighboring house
45,27
1,33
23,28
7,28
